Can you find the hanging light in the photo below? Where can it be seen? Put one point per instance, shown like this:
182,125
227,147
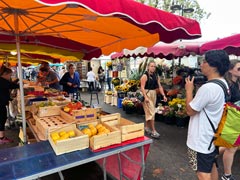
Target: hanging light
14,53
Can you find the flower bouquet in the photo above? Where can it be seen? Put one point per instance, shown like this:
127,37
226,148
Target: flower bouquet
179,105
129,105
109,65
116,82
169,115
182,118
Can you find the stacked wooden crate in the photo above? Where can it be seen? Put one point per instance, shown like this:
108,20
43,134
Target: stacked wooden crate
129,130
102,140
78,142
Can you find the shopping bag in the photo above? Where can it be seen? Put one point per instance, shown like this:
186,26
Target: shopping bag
140,97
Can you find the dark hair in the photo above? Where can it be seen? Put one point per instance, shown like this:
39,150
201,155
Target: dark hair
44,64
5,70
90,69
228,75
44,69
218,59
100,70
70,65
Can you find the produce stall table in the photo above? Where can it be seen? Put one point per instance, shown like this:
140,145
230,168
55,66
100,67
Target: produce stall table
38,159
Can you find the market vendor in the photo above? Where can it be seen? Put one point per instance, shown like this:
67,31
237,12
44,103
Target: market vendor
6,86
48,78
70,80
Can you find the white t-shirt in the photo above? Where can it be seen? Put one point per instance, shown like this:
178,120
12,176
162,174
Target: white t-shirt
91,76
210,97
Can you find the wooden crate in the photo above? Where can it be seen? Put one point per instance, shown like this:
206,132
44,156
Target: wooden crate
129,130
81,115
103,140
49,111
114,100
60,101
30,136
46,124
80,141
107,99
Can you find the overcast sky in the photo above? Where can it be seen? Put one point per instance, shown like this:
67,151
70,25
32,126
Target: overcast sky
223,21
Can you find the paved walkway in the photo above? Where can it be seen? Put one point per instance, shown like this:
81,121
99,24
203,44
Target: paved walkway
167,159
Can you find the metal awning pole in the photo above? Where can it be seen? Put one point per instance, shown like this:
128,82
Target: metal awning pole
20,78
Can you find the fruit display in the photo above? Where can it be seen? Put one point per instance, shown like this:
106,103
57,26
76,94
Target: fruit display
51,91
72,106
92,130
62,135
46,103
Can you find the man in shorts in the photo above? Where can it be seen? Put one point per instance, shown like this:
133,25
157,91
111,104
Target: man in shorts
208,101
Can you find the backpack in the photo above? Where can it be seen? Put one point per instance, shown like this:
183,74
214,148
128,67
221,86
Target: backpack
228,132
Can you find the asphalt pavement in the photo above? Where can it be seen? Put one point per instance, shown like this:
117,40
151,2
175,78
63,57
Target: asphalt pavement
167,158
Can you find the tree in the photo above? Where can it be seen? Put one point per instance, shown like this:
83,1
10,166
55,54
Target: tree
198,13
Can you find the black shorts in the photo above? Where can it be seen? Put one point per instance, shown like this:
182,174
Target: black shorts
202,162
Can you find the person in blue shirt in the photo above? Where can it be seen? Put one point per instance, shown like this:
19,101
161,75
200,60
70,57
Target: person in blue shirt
70,80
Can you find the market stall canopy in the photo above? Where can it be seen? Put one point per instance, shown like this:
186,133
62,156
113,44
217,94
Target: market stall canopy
59,48
103,25
230,44
26,58
173,50
162,50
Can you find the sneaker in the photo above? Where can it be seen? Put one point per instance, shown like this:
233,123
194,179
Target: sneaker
155,134
230,177
5,140
148,130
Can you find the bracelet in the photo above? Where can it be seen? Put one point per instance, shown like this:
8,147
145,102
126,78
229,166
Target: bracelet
164,95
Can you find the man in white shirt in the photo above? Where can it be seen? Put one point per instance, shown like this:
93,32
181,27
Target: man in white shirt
208,101
91,77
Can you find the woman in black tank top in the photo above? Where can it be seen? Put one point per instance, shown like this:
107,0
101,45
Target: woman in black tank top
149,83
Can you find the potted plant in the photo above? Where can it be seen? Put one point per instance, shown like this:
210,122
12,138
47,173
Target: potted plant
169,115
130,107
182,118
179,106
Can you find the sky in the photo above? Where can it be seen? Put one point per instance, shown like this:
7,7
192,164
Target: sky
224,19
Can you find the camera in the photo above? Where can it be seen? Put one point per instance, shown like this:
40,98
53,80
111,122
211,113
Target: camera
199,78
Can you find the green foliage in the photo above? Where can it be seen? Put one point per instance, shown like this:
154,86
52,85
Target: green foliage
198,13
135,76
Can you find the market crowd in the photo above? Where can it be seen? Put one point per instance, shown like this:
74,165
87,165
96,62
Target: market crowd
204,105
